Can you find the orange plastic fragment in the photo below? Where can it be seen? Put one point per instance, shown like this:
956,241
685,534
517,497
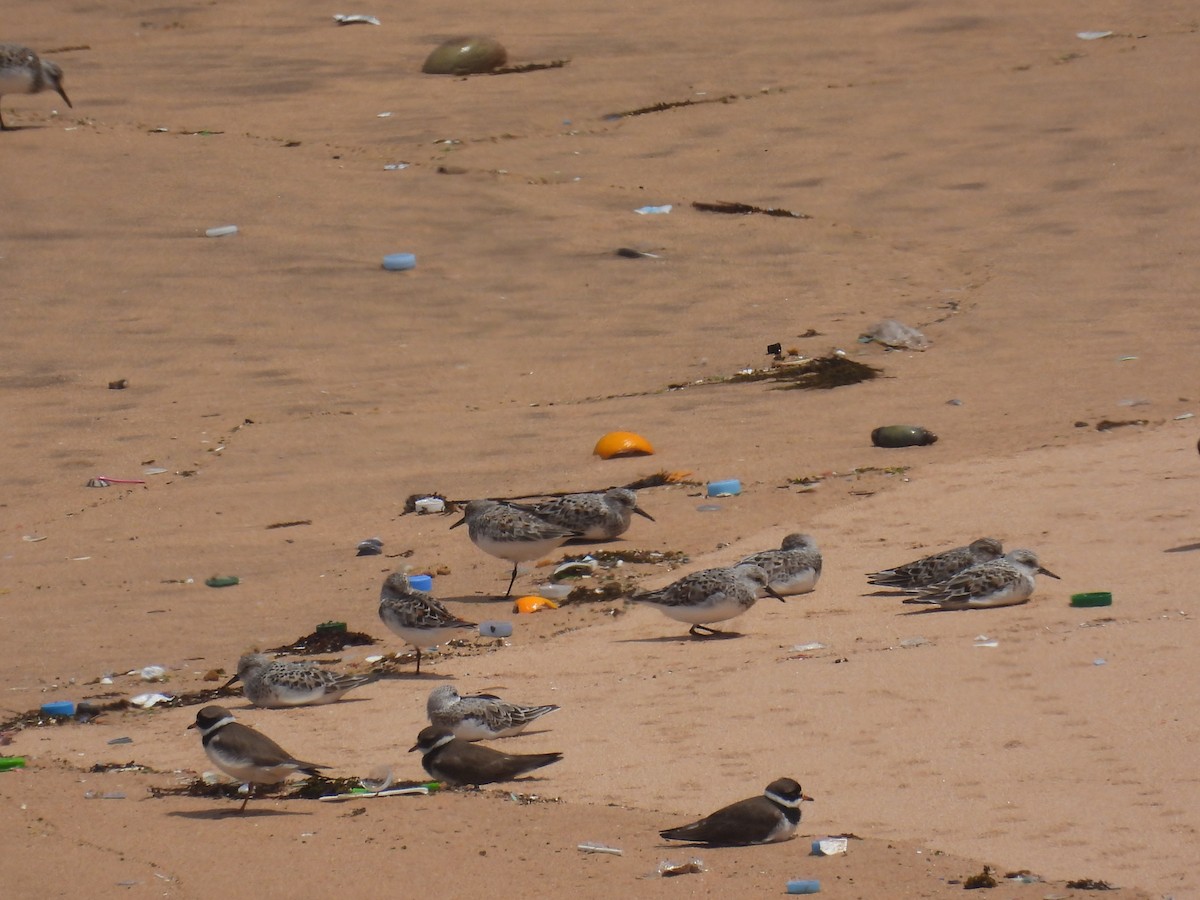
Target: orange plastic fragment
533,604
622,443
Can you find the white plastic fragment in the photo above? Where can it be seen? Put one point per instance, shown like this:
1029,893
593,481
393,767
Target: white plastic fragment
593,847
153,673
145,701
895,334
221,231
811,645
1092,35
355,19
653,210
430,505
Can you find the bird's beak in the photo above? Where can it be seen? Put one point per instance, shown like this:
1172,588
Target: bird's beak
775,594
414,747
230,681
459,522
193,725
63,94
1048,572
806,797
641,512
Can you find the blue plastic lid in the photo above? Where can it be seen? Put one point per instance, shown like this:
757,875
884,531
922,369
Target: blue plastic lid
58,708
399,262
804,886
420,582
728,486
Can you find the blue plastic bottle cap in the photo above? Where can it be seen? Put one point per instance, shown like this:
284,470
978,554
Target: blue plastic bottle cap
728,488
58,708
804,886
496,629
421,582
399,262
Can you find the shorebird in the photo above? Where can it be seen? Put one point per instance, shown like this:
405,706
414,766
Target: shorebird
1001,582
479,717
710,595
596,516
938,567
277,684
248,755
24,72
512,532
765,819
450,759
792,569
416,616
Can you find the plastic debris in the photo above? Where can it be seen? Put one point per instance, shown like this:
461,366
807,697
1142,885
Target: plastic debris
427,505
220,581
1099,661
653,210
668,869
146,701
120,740
370,547
902,436
355,19
829,846
554,591
730,487
153,673
1092,35
811,645
804,886
495,629
918,641
11,762
221,231
399,262
393,167
576,568
593,847
896,335
421,582
982,640
533,604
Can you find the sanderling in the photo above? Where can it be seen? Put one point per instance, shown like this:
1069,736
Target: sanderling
24,72
447,758
793,569
416,616
596,516
710,595
248,755
765,819
938,567
278,684
999,582
512,532
479,717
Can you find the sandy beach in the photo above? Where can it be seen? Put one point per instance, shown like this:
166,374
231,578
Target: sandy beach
1020,194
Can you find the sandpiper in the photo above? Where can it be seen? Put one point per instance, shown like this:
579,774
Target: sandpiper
792,569
596,516
22,71
277,684
1007,581
479,717
710,595
938,567
512,532
416,616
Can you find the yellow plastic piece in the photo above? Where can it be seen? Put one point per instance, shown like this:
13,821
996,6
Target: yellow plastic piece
622,443
533,604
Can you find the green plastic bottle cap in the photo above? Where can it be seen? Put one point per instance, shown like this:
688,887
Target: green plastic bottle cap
1096,598
222,581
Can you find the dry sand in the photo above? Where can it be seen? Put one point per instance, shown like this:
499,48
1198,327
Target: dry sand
1025,197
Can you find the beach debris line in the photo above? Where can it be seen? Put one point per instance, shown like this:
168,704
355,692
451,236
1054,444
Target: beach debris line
745,209
326,639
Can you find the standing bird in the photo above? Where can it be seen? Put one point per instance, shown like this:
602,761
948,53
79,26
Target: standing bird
939,567
765,819
278,684
447,758
710,595
596,516
416,616
793,569
248,755
479,717
512,532
24,72
1007,581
